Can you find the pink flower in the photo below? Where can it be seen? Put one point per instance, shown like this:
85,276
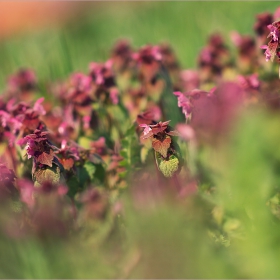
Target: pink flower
147,129
86,122
249,82
101,73
148,54
267,52
186,131
39,147
114,96
184,103
38,106
24,79
27,190
262,20
81,81
190,79
274,33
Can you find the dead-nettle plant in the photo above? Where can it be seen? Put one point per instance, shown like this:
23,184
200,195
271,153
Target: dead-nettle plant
167,157
272,49
83,149
46,166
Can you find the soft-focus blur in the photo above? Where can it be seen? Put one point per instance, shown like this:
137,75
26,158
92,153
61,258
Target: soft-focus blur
56,37
149,232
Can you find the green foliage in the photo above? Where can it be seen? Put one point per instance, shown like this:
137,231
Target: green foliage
130,152
169,166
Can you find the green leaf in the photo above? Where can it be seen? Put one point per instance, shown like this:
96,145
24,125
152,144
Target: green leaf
168,167
123,153
100,174
144,153
82,175
90,168
74,186
125,143
124,163
51,174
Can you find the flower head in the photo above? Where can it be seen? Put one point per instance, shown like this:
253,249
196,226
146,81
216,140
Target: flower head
274,32
184,103
24,79
38,147
148,54
262,20
267,52
160,134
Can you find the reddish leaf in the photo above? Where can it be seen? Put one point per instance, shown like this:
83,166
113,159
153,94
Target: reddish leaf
162,146
67,163
45,158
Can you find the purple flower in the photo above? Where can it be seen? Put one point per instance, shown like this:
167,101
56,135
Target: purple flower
80,82
274,33
24,79
148,54
147,130
184,103
262,20
101,73
249,82
114,96
186,131
190,79
122,56
38,147
38,108
267,52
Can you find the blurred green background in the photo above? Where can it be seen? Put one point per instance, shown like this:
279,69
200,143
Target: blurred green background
88,35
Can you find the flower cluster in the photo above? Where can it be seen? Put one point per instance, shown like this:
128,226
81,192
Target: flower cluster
271,49
168,160
65,160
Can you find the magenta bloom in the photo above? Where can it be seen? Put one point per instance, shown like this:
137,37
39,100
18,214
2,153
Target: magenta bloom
80,81
104,81
155,129
186,131
147,130
24,79
274,33
267,52
38,147
249,82
271,49
184,103
148,54
101,73
114,93
262,20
